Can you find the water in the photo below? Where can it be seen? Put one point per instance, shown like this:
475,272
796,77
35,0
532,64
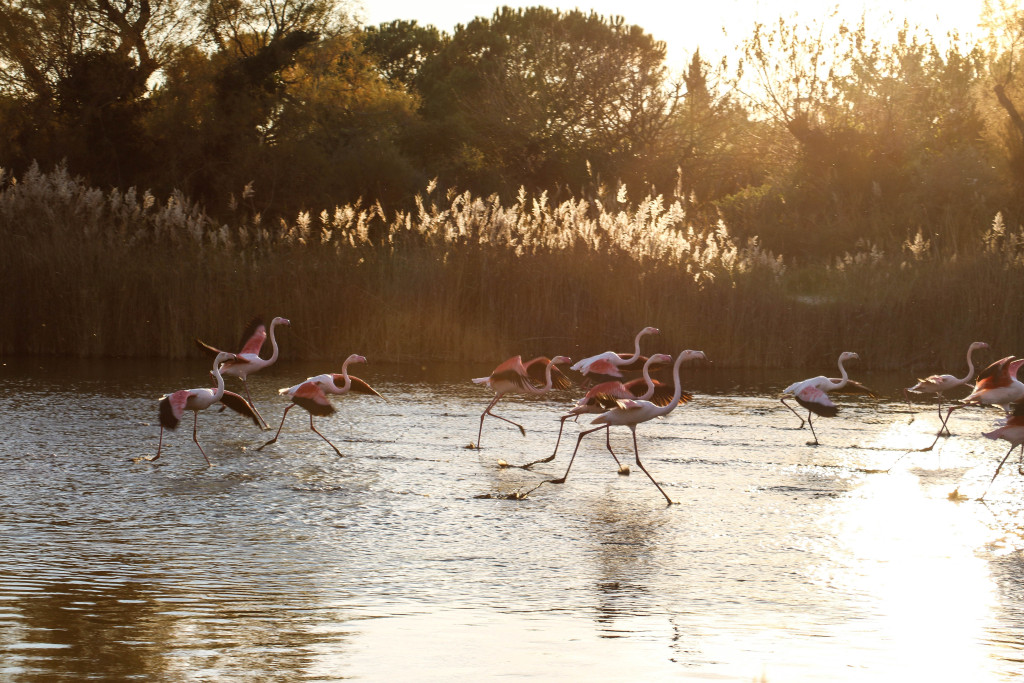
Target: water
410,559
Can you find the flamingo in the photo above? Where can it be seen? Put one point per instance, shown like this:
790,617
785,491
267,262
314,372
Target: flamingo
514,376
248,361
997,385
173,406
630,413
812,393
1012,430
611,363
312,395
604,396
939,384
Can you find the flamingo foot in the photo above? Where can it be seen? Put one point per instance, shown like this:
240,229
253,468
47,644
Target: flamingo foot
813,443
624,470
502,464
560,480
267,444
145,458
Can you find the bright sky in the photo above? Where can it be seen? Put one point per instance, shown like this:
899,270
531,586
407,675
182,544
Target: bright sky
686,26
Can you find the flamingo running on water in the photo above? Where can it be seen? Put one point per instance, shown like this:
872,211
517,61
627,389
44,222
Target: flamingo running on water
630,413
513,376
939,384
611,363
312,396
248,361
1012,430
603,397
812,393
997,385
173,406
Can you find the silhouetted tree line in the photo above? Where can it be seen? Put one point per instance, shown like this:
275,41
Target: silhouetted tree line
812,142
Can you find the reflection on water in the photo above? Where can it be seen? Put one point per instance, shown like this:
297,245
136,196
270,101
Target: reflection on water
780,560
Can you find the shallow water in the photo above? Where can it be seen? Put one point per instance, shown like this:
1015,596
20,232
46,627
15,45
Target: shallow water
407,559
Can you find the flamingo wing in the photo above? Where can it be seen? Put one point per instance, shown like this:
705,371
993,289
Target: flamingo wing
602,366
172,407
852,387
994,376
817,401
209,350
238,404
311,397
536,369
361,387
253,337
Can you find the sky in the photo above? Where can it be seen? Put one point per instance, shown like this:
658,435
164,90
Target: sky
688,25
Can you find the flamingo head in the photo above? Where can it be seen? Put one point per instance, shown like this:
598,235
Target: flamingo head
692,355
978,345
560,359
355,358
280,321
649,330
848,355
659,358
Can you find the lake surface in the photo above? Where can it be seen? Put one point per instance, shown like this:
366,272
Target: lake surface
411,559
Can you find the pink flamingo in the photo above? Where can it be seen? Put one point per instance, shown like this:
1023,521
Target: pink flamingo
173,406
513,376
939,384
1012,430
312,396
630,413
248,361
605,396
812,393
612,363
997,385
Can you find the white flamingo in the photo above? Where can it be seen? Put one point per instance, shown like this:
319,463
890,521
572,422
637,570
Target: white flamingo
812,393
612,363
514,376
939,384
604,396
173,406
630,413
1012,430
248,361
312,395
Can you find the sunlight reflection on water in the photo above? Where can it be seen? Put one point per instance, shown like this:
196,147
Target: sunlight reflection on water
782,560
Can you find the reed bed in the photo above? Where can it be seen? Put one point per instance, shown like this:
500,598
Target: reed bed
91,273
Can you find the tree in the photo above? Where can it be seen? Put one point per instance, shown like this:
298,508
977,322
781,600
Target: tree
530,96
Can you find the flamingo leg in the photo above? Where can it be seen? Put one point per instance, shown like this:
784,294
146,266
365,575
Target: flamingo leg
551,457
945,424
279,427
487,412
783,399
579,439
324,437
608,443
1005,457
636,451
195,436
245,383
810,423
151,458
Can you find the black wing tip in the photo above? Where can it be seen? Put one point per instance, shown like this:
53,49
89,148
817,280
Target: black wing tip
167,418
314,408
212,351
238,404
817,408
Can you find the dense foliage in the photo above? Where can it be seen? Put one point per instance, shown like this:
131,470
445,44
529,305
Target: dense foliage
846,166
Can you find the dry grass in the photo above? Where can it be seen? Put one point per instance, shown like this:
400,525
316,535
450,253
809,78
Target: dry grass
89,273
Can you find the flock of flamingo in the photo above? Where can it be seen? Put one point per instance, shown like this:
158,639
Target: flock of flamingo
614,402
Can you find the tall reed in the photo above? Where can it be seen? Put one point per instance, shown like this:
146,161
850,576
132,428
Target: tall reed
118,273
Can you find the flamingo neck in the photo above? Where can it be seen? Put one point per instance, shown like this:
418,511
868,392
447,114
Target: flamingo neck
219,393
636,348
970,365
273,343
650,383
344,373
844,378
677,393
